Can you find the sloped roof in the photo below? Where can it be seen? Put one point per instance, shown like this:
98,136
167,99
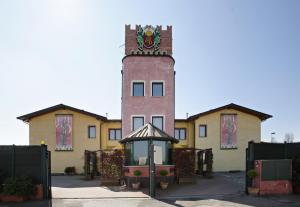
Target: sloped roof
260,115
29,116
147,132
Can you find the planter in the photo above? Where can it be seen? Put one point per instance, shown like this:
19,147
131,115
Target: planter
164,185
136,185
39,193
14,198
253,190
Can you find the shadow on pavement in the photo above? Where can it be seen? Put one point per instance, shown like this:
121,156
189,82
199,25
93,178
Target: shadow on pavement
46,203
75,181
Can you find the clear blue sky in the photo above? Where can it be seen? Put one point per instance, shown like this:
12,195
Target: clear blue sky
70,51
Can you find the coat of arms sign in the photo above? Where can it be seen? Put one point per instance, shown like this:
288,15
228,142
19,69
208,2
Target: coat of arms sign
148,37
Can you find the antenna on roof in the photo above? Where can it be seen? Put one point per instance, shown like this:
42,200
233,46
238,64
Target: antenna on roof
187,115
106,114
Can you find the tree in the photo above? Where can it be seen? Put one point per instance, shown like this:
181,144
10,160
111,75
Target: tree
289,137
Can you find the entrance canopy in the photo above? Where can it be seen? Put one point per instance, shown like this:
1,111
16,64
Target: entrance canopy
137,146
148,132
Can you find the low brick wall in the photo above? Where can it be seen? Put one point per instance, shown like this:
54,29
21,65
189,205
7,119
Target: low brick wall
145,181
271,187
128,170
278,187
144,178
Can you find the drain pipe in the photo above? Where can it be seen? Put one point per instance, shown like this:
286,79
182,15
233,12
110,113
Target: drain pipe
100,132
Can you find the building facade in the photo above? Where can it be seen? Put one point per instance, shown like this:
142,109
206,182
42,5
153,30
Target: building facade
148,96
148,82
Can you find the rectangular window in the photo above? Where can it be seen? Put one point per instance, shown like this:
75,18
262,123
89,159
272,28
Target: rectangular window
158,121
137,122
92,132
202,131
138,89
157,89
114,134
180,133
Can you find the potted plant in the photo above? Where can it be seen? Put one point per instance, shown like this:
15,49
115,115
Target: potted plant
163,183
252,174
70,170
18,189
136,185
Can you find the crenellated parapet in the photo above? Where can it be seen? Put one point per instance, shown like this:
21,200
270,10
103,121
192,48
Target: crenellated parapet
148,40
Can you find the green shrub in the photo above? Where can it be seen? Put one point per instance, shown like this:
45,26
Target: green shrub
70,170
252,173
137,173
163,173
21,186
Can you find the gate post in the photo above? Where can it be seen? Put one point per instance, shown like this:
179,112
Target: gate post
13,161
44,171
151,171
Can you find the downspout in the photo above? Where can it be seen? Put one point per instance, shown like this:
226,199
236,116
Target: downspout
174,105
194,133
100,129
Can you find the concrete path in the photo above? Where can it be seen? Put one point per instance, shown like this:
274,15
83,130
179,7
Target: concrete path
95,192
76,187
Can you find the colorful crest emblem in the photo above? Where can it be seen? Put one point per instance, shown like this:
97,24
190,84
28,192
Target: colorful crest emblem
148,37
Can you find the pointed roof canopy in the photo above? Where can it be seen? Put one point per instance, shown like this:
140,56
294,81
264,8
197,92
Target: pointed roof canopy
148,132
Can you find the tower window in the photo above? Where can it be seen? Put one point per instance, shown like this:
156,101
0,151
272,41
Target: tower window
158,121
137,122
157,89
138,89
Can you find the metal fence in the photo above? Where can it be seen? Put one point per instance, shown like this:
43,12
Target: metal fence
269,151
31,161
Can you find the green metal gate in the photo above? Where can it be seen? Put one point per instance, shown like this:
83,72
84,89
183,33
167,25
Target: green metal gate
31,161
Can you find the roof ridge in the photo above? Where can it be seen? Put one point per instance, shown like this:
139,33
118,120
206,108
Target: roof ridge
261,115
50,109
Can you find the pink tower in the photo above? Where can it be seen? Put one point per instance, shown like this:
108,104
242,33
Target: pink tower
148,79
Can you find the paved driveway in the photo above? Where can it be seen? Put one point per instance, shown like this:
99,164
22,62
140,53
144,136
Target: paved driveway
225,189
220,184
218,201
77,187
